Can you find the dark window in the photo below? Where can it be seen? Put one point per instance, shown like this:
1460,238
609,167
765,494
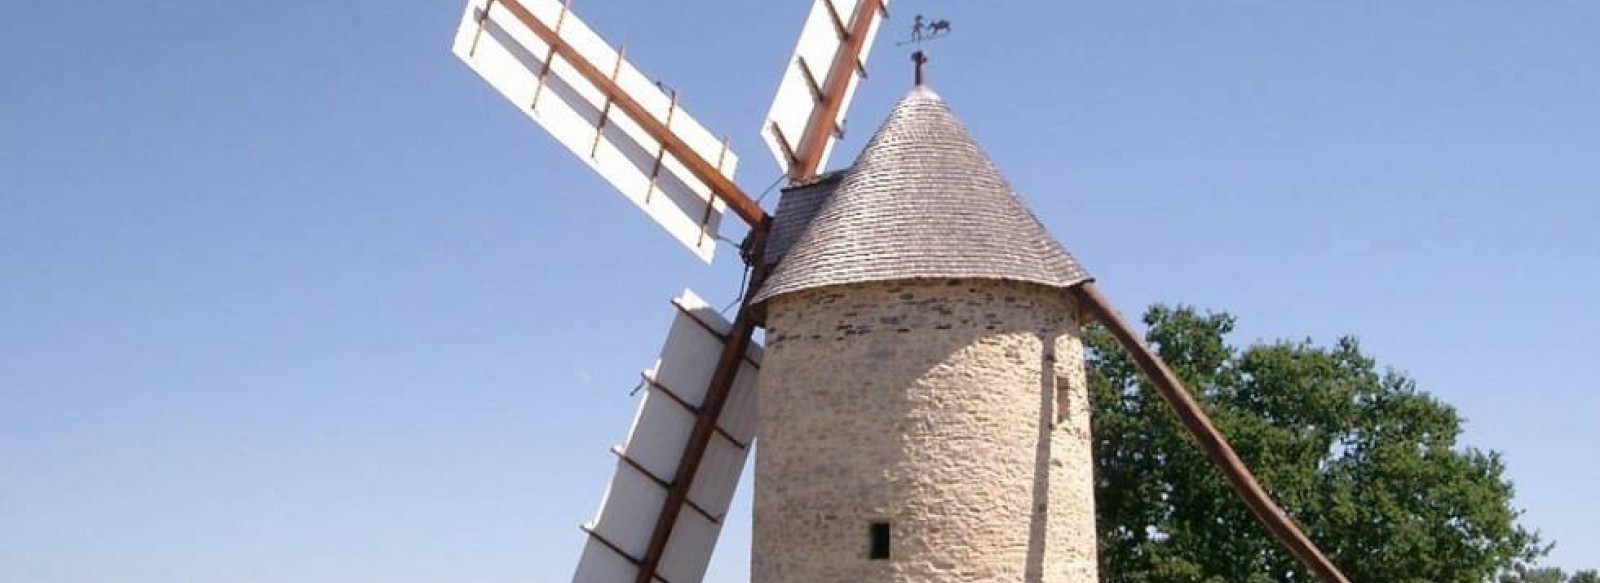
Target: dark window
1063,399
880,541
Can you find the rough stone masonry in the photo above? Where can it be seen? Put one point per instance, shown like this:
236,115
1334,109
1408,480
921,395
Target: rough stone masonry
954,412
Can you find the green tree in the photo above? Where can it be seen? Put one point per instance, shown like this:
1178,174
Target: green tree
1549,575
1525,574
1590,576
1367,463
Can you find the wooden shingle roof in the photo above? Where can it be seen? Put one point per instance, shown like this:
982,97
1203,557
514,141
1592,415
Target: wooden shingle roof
922,201
800,203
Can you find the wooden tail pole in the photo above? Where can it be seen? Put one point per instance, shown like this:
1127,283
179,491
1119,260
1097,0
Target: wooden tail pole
1211,441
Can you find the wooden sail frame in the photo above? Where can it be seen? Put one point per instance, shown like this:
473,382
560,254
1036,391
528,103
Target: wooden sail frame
742,205
735,344
807,113
651,463
629,129
847,64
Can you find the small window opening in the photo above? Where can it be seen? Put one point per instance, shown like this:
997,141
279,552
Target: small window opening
1063,399
880,541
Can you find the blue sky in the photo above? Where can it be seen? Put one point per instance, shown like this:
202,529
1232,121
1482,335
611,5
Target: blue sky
288,294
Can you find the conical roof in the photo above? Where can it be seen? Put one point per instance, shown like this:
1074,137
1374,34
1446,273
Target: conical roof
922,202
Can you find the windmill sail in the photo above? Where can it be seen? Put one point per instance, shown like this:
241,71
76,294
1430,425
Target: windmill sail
518,62
647,465
820,81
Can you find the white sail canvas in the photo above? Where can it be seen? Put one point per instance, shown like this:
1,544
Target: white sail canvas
813,62
676,388
521,66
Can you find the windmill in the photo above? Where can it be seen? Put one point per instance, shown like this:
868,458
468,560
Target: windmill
942,308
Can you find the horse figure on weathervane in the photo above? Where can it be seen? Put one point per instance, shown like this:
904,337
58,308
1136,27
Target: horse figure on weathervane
923,29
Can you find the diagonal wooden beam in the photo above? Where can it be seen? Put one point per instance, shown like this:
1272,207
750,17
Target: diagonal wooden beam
736,343
723,188
671,395
825,118
663,483
1212,442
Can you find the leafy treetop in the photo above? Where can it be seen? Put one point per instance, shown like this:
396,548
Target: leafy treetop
1366,462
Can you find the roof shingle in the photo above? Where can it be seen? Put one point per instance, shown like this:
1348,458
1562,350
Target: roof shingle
799,204
923,201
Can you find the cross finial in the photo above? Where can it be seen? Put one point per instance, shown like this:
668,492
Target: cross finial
921,59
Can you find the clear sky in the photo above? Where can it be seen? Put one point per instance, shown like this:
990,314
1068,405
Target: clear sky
287,294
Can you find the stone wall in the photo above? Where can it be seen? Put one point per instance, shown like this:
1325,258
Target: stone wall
930,406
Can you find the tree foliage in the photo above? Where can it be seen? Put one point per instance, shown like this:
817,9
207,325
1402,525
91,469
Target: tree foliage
1368,464
1524,574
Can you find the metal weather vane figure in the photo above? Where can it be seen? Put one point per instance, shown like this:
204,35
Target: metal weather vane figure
923,30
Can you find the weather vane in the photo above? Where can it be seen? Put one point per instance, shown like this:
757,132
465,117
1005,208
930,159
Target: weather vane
924,30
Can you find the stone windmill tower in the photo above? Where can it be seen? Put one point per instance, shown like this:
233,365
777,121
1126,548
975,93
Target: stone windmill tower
923,414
